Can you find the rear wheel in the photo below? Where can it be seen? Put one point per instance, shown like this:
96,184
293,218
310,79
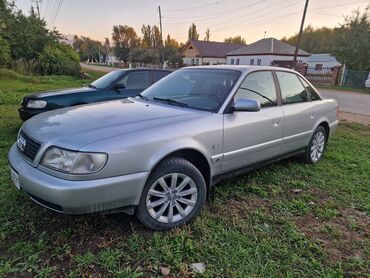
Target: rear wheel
173,195
316,147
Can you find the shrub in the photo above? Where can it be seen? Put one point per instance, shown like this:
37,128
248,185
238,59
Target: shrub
58,59
4,52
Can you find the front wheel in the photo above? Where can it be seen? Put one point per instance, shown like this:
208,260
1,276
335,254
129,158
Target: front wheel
316,146
173,195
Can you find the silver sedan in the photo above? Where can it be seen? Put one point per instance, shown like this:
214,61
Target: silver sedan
158,154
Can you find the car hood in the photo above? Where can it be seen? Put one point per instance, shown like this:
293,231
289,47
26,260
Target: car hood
77,126
60,92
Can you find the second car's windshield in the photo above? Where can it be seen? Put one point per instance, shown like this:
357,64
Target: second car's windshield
106,80
204,89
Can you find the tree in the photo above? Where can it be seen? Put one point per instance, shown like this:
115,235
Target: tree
352,41
193,33
87,48
171,42
144,55
236,39
4,52
156,37
318,40
124,39
146,41
208,35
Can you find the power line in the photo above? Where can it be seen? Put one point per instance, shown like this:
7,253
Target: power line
60,3
221,13
197,7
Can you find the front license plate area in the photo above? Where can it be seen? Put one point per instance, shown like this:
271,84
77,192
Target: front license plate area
15,178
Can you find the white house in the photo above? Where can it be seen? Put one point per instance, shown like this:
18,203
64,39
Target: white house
266,52
206,53
321,63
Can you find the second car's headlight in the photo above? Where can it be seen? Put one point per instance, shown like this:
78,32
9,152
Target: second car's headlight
36,103
74,162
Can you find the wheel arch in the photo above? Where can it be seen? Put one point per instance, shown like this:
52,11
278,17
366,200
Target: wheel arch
196,157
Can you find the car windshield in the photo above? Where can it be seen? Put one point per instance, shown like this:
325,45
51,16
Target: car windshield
203,89
106,80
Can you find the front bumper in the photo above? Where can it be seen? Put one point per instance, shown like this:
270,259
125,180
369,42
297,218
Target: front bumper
77,197
26,114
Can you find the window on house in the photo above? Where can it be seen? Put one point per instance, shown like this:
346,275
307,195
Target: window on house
197,61
251,62
193,62
300,61
258,62
237,61
232,61
318,67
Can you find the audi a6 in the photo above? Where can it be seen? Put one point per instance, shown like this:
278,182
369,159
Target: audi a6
158,154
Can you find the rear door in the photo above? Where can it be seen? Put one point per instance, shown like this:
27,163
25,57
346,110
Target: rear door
251,137
298,111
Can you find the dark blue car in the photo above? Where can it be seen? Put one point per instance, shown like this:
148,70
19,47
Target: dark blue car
114,85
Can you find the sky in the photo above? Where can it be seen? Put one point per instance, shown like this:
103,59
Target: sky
247,18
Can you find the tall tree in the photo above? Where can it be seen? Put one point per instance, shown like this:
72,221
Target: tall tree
124,39
352,41
156,37
236,39
146,41
171,42
208,34
193,33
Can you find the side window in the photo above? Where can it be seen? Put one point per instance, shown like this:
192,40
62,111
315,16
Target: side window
158,75
311,91
292,90
136,80
259,86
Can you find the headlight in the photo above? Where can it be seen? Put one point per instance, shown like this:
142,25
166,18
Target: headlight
36,103
74,162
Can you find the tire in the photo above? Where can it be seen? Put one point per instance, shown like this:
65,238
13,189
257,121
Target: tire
316,146
175,185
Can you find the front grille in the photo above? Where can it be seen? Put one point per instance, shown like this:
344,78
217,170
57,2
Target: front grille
31,148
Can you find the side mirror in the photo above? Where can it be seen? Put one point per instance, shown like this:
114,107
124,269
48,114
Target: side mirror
250,105
119,86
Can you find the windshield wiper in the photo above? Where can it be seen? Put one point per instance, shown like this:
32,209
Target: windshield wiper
273,102
91,86
171,101
142,97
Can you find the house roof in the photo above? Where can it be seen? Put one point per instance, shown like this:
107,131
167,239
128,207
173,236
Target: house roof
322,58
213,49
267,46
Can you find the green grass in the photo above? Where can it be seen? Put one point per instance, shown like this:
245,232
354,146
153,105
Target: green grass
257,225
341,88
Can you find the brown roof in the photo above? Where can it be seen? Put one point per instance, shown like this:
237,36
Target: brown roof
214,49
267,46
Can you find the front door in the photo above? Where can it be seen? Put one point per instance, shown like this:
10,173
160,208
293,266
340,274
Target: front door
131,85
251,137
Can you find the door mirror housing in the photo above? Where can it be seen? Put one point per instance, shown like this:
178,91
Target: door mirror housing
250,105
118,86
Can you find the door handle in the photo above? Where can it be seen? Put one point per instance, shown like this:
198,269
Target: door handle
276,122
312,117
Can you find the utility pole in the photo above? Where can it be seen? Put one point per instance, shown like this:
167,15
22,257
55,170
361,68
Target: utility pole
37,6
299,36
160,26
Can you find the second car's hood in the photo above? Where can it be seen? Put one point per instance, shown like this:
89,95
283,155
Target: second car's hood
60,92
77,126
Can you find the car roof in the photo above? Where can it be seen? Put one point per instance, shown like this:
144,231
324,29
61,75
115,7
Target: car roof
240,68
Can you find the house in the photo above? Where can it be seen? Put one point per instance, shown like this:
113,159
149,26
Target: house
321,63
266,52
206,53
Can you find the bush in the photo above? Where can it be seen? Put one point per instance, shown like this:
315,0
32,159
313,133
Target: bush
4,52
58,59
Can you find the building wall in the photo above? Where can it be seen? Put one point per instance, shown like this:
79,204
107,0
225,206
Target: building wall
193,61
266,60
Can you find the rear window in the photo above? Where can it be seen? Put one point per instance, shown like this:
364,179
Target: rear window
311,91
